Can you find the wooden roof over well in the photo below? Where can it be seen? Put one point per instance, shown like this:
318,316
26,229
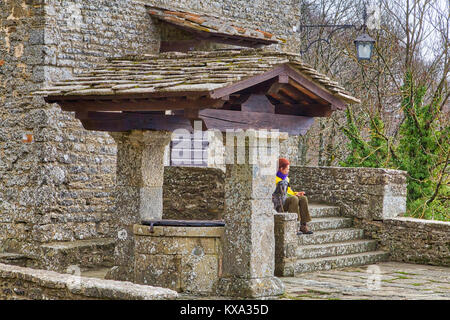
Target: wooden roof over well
193,85
214,28
175,72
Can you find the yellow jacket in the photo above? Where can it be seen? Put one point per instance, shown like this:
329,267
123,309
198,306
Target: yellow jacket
289,190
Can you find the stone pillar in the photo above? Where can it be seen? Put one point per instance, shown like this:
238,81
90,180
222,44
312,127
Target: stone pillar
249,243
139,193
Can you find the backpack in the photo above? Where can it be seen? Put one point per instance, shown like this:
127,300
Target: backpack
279,195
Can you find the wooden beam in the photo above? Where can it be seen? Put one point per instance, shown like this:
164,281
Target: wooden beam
312,89
140,105
258,103
247,83
120,97
275,92
118,121
283,78
227,119
313,110
179,45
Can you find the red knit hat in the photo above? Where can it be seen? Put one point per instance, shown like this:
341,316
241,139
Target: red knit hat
283,163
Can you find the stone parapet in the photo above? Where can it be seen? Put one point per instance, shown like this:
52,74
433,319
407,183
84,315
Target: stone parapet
185,259
368,193
18,283
411,240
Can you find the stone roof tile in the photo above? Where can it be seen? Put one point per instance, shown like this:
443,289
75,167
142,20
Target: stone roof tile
212,24
192,71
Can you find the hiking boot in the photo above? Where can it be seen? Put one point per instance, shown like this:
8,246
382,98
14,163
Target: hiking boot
304,230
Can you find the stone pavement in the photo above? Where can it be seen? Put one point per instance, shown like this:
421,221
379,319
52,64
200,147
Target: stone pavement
395,281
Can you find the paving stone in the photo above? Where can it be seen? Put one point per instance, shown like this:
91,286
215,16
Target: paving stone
347,284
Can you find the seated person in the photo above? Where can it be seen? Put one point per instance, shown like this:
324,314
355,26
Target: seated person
295,201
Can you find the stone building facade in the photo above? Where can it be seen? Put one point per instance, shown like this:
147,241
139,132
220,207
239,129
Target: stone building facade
57,179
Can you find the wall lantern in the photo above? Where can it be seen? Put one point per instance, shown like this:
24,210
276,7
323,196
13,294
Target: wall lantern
364,43
364,46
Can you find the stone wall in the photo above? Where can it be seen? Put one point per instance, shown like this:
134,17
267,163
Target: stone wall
18,283
411,240
57,179
368,193
191,193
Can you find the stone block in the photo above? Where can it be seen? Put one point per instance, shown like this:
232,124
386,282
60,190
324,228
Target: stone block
158,270
199,272
204,232
161,245
248,182
251,288
151,203
192,258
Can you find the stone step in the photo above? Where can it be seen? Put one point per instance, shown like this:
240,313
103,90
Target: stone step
15,259
328,223
83,254
317,210
327,263
335,249
327,236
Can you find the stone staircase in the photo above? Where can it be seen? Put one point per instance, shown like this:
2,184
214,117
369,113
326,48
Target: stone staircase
334,243
85,254
89,256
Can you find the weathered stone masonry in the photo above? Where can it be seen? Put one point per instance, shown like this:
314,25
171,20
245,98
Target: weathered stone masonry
59,185
411,240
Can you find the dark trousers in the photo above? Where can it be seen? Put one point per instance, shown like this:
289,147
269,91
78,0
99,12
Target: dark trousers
298,205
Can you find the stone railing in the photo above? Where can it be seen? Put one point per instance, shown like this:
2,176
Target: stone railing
18,283
367,193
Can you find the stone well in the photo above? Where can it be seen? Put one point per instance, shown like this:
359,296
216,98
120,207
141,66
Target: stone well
182,258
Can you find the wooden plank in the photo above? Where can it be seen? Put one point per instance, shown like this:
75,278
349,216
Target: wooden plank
227,119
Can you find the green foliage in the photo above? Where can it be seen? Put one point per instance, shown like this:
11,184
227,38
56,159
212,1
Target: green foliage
418,146
371,154
420,150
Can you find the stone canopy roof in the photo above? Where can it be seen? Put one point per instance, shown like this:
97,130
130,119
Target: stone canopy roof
212,25
174,72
